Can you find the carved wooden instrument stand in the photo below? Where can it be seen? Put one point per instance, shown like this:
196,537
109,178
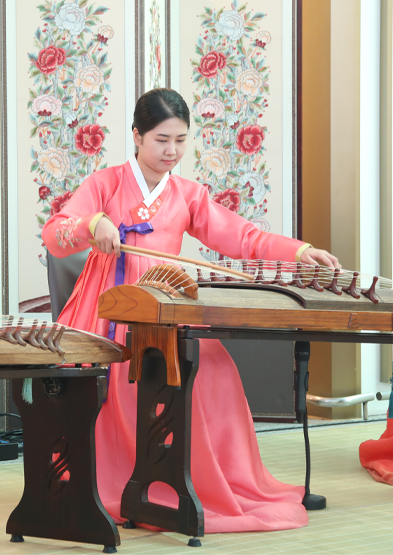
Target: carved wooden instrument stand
164,439
60,499
263,310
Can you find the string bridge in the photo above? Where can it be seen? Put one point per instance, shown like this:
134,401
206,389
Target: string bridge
301,276
37,335
170,279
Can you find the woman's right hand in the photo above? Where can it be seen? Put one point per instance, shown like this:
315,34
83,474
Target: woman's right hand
107,237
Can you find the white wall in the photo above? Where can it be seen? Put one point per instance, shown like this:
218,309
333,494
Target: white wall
287,106
129,73
369,197
13,244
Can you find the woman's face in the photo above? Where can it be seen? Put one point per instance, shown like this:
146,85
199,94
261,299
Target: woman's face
164,146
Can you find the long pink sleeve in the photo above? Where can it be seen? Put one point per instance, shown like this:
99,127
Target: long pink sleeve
67,232
228,233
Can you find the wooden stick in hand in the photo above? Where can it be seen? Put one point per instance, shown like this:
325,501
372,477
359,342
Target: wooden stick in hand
198,263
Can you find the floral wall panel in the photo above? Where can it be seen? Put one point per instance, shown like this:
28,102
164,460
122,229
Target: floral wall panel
231,77
155,44
70,59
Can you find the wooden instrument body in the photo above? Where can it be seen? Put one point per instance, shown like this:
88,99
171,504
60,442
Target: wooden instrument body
79,347
246,308
249,306
230,308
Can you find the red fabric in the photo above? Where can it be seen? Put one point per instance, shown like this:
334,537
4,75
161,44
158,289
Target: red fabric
376,455
236,490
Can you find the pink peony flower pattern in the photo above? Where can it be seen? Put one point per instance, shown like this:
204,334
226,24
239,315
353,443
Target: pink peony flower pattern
89,79
59,202
71,18
210,108
54,162
105,32
211,64
47,105
231,75
44,192
249,139
89,139
229,199
50,58
155,72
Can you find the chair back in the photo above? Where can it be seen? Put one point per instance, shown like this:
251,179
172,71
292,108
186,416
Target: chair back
63,274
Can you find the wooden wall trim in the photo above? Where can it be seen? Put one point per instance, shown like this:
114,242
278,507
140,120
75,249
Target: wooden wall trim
386,163
298,201
316,164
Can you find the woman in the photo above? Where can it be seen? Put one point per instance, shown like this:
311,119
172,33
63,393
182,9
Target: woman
236,491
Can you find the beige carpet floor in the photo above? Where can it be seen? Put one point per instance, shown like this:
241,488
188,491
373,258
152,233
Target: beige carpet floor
358,518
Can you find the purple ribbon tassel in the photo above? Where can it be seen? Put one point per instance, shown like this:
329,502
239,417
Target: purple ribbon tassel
143,229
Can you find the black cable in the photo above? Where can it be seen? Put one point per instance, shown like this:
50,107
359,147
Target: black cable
11,436
11,433
10,414
14,436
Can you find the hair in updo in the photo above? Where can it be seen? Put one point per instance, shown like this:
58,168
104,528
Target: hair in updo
158,105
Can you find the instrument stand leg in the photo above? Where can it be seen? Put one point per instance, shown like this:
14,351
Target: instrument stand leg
163,446
311,501
109,549
194,542
60,499
16,539
129,525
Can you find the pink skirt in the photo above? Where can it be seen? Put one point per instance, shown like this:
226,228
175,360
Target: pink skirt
376,455
236,491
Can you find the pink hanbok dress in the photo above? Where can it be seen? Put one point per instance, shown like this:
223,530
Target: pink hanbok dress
376,455
235,489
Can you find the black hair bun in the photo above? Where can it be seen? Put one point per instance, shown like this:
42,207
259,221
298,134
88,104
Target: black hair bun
158,105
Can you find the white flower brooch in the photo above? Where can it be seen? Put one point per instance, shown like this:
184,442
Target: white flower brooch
143,213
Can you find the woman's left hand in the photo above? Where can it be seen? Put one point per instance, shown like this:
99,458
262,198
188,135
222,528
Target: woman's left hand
317,256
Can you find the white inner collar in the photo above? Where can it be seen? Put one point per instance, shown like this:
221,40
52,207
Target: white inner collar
148,197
